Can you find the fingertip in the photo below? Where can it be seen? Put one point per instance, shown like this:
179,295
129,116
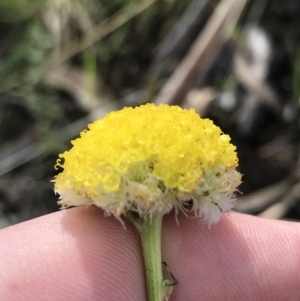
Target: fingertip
75,254
242,258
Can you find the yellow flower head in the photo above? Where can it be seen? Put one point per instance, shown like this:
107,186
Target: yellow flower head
151,159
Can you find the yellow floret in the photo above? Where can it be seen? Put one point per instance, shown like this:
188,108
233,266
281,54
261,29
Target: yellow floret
150,158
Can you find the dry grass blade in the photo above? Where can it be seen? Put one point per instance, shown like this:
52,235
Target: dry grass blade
179,35
98,32
203,51
84,89
256,86
265,198
34,150
280,209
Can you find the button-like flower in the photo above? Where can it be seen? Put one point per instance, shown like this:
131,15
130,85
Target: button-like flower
151,159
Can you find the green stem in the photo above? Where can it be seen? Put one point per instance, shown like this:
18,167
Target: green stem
150,228
151,240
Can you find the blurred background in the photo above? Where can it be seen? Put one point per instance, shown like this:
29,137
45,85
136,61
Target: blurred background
65,63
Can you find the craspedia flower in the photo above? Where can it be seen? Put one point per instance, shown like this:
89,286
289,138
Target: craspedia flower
151,159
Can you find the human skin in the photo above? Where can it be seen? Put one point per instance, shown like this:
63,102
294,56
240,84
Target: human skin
78,254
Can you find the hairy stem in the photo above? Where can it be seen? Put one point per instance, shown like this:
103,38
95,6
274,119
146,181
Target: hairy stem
150,228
